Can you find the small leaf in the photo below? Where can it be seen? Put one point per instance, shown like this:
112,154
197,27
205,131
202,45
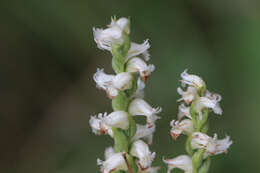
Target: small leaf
120,102
121,140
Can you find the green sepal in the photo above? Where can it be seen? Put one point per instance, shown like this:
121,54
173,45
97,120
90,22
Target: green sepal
132,127
121,140
205,166
131,91
188,148
194,115
197,159
120,102
203,90
119,53
201,123
132,164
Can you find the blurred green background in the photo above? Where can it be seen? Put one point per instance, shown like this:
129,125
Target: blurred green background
48,57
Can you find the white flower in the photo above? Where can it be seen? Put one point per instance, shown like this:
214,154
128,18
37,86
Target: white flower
140,107
143,131
184,111
139,49
212,146
192,80
215,98
181,127
138,65
139,93
141,151
183,162
150,170
112,83
98,126
189,95
123,81
112,35
205,102
118,119
114,162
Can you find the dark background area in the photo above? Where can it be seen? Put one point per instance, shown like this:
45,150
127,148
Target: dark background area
48,57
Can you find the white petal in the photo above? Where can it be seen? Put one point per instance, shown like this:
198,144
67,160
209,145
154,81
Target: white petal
138,49
118,119
144,132
183,162
123,81
192,80
184,111
181,127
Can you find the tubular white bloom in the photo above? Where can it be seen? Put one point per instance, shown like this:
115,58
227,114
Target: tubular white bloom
212,146
123,81
189,95
98,126
181,127
191,80
139,49
118,119
112,35
112,83
204,102
140,107
141,151
184,111
138,65
150,170
115,162
139,93
143,131
183,162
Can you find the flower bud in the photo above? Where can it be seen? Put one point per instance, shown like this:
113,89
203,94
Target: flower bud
115,162
138,65
139,49
181,127
183,162
118,119
123,23
140,107
123,81
141,151
192,80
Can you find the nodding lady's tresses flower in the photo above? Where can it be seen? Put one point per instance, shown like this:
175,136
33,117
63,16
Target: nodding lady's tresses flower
211,145
141,151
113,83
144,132
189,95
114,34
192,80
138,65
184,111
183,162
140,107
114,162
205,102
139,49
102,124
181,127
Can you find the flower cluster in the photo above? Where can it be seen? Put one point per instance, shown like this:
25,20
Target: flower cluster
193,122
126,90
